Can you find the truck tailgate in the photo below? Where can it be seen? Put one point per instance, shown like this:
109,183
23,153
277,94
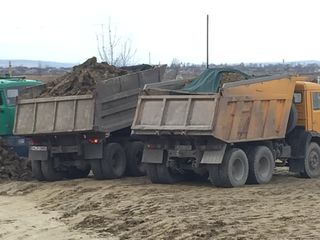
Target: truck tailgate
54,115
175,113
249,110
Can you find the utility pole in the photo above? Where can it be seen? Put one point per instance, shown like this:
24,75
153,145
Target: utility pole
10,69
207,40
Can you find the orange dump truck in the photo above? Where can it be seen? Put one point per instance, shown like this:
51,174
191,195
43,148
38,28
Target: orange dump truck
233,136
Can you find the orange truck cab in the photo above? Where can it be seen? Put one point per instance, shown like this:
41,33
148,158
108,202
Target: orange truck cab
305,138
307,102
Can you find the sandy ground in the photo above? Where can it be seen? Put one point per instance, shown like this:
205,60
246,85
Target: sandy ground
133,208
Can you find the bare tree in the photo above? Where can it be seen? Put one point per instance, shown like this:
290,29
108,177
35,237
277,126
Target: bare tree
175,66
126,55
112,49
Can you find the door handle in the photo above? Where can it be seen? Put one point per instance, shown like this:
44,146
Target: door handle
1,111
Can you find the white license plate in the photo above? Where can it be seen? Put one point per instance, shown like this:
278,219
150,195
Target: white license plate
39,148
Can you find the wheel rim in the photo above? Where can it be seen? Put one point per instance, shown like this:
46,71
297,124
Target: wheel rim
314,161
264,167
238,169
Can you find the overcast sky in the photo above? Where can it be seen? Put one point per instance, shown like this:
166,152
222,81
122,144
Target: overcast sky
240,30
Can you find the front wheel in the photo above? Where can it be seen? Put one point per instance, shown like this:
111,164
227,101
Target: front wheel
312,161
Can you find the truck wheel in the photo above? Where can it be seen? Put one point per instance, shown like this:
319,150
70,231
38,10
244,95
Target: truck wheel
214,175
167,174
152,172
48,171
97,169
73,173
134,151
312,161
233,171
261,165
36,170
114,161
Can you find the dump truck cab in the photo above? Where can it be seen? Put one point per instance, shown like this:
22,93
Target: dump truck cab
9,90
307,102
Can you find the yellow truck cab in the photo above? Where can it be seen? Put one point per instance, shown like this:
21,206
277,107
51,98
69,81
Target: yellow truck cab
307,101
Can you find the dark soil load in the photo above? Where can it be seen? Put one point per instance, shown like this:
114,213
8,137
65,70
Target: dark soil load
83,78
11,165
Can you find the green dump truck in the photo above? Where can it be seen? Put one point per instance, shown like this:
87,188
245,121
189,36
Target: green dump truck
10,87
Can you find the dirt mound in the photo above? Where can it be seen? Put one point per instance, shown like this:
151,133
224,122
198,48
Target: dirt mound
82,79
11,165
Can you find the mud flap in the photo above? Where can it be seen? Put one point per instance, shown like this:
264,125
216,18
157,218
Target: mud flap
213,156
296,165
152,156
93,151
38,153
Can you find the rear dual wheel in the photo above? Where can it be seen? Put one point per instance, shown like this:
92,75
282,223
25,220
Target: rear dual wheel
45,171
261,165
232,172
134,152
113,163
73,172
36,170
161,173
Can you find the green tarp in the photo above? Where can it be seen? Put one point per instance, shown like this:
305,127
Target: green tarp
209,80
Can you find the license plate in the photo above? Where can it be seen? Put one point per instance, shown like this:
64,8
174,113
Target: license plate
39,148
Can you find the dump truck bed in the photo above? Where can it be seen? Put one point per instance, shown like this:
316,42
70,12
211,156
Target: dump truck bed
111,107
247,110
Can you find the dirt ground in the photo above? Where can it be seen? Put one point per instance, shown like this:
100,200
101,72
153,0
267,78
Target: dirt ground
133,208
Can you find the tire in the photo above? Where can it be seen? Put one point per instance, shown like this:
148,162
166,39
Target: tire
152,172
312,161
97,169
166,174
261,165
73,173
293,119
134,151
233,171
36,170
114,161
48,171
214,175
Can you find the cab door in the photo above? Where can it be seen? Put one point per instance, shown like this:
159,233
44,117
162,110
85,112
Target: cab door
3,115
315,98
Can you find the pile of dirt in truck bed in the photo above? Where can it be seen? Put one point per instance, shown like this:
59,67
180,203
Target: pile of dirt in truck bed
83,78
11,165
232,77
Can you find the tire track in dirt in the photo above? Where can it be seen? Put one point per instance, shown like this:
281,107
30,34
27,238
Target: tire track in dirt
133,208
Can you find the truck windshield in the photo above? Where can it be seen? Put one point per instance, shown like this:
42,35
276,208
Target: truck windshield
11,96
